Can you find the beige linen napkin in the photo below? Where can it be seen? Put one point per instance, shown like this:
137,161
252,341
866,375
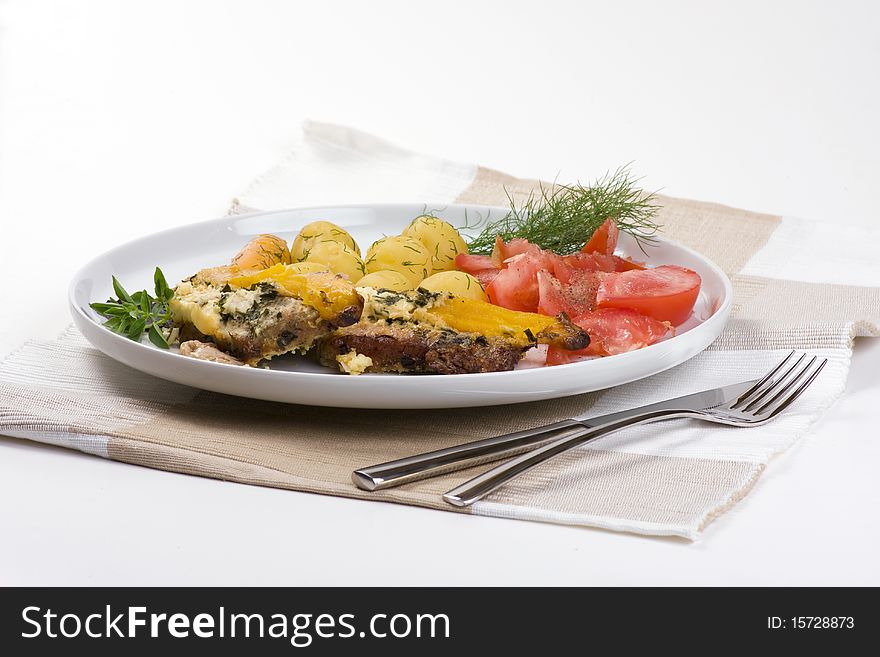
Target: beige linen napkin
797,284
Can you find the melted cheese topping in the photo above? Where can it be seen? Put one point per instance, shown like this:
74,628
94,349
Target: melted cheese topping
240,301
354,363
199,306
204,306
403,306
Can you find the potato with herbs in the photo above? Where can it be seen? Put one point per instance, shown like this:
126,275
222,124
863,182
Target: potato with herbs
320,231
440,238
262,252
337,257
306,267
387,280
402,254
456,283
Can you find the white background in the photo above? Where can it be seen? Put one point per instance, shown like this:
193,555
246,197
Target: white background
119,119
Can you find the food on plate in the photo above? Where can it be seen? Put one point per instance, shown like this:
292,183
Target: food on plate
612,331
320,231
667,293
429,300
457,283
620,303
261,252
409,348
390,280
332,296
603,240
207,351
430,332
440,238
336,257
562,218
306,267
468,315
134,314
255,317
402,254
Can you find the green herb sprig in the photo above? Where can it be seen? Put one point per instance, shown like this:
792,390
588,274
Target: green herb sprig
563,217
132,314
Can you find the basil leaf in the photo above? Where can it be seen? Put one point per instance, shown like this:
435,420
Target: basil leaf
162,289
145,302
120,291
157,338
102,308
137,329
132,314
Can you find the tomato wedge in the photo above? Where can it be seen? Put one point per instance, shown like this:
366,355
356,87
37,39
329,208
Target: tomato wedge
599,262
471,263
666,293
551,295
505,250
612,331
516,286
485,276
576,297
603,239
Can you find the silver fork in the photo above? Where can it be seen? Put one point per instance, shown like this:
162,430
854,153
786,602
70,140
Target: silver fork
759,404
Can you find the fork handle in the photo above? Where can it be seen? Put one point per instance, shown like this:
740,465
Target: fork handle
450,459
481,485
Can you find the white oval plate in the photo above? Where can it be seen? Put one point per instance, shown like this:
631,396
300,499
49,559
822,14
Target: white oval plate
180,252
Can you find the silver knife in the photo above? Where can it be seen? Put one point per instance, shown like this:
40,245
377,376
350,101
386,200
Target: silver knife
460,457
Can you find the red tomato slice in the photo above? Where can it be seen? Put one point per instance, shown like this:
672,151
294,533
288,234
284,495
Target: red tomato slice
556,356
575,262
604,238
667,293
517,246
498,252
516,286
471,263
612,331
625,264
485,276
551,295
599,262
576,297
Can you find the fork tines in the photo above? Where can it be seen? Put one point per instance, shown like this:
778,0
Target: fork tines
776,390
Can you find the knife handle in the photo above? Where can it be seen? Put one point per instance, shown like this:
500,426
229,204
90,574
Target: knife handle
450,459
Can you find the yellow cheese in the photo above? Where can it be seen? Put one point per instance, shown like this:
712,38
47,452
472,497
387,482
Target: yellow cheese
329,294
354,363
197,306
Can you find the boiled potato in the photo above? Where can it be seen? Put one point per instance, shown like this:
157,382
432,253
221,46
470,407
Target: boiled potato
387,279
320,231
401,254
339,258
262,252
440,238
457,283
308,267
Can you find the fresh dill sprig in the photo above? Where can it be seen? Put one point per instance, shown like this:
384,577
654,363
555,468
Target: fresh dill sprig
132,314
563,217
